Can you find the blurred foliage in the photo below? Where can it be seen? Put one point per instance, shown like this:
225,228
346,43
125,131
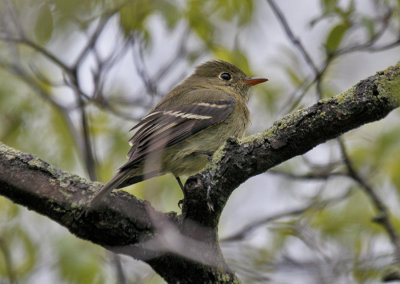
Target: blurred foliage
216,29
335,37
347,221
382,160
83,267
44,23
18,252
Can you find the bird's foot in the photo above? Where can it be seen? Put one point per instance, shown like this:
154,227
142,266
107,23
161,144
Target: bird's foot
207,153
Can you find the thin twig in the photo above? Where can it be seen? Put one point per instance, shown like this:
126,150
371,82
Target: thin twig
297,96
246,230
318,74
181,51
42,92
296,42
309,176
139,64
103,67
43,51
368,46
92,40
383,217
90,161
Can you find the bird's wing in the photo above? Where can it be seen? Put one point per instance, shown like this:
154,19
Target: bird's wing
164,128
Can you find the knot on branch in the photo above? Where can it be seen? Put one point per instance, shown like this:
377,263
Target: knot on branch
198,203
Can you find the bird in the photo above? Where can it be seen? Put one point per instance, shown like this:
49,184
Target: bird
180,134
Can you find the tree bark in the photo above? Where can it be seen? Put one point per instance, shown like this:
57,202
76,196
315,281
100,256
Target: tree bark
184,248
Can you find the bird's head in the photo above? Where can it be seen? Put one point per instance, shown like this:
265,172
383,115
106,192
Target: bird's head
225,76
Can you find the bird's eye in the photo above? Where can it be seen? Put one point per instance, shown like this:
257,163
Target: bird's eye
225,76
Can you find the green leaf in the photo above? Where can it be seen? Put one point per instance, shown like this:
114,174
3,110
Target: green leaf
195,14
328,6
62,138
170,13
347,220
79,261
18,249
44,24
133,15
294,76
369,25
241,9
235,56
30,253
335,37
8,210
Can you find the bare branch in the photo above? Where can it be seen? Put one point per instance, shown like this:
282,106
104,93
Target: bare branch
141,70
383,217
369,45
296,42
43,51
249,228
88,154
322,175
91,43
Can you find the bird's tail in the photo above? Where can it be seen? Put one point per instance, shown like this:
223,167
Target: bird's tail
119,178
122,179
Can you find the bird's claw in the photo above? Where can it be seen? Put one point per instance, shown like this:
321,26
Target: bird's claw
180,203
207,153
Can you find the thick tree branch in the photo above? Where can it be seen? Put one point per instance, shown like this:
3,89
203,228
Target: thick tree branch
131,226
122,224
